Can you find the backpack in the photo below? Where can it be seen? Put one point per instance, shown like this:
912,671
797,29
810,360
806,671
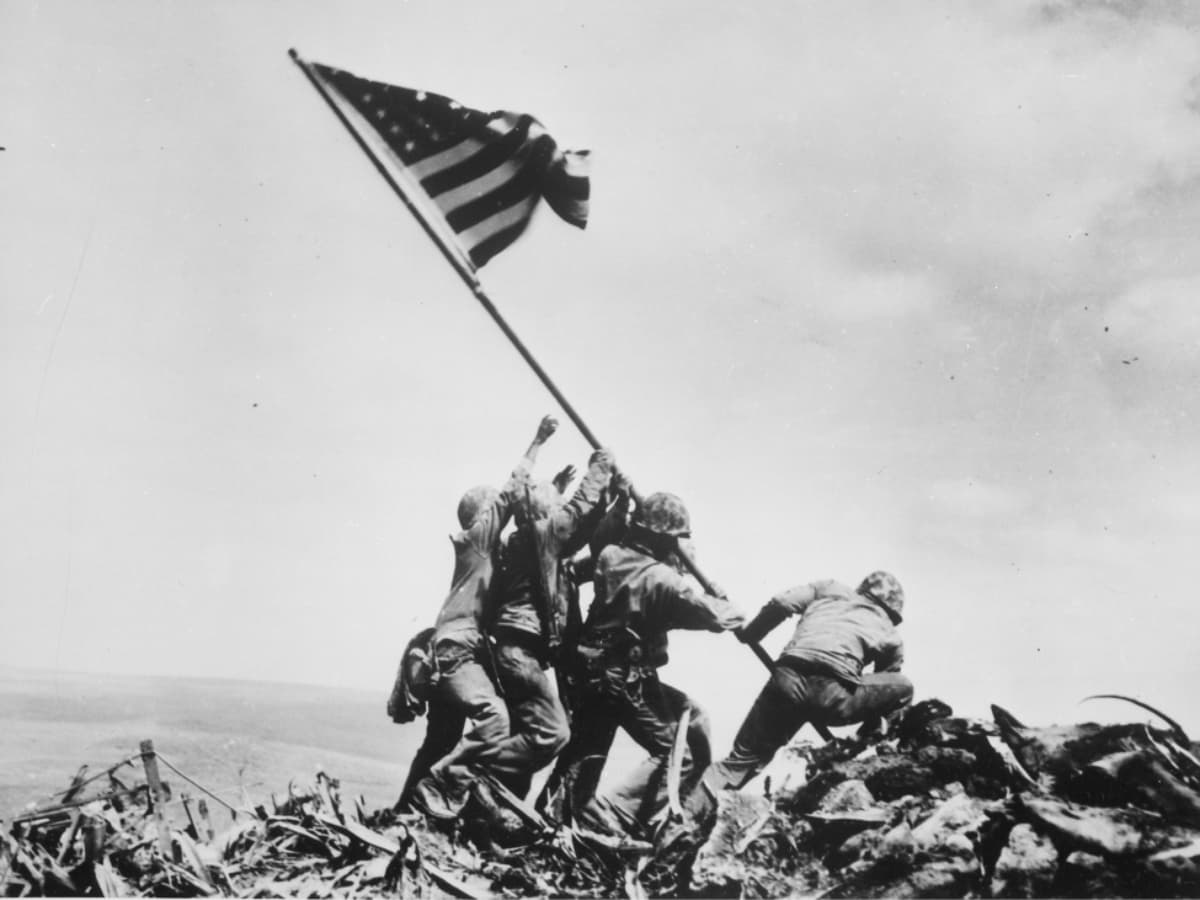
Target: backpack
415,679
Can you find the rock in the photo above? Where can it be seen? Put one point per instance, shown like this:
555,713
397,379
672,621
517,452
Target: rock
897,846
845,811
719,864
1139,777
1056,754
1027,865
1084,874
961,815
948,763
787,772
851,795
753,851
1177,870
892,777
954,874
1109,831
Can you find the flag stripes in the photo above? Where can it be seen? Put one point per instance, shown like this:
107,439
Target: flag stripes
483,173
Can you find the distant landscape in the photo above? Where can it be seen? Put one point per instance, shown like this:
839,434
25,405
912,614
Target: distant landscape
231,736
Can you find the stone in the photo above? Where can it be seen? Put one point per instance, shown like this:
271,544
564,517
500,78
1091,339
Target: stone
1027,864
851,795
962,814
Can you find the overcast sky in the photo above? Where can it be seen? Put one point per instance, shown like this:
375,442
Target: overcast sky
903,286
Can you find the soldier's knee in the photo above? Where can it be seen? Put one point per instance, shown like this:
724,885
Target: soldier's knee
552,737
491,719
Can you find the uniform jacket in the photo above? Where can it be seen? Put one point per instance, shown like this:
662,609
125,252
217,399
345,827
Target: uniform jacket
639,599
839,631
464,608
533,561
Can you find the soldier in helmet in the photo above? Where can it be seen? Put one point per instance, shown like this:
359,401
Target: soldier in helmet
537,610
465,689
819,677
640,595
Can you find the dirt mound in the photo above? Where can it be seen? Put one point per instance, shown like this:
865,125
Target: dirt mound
940,806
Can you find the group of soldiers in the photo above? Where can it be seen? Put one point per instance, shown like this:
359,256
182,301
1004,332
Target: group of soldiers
514,612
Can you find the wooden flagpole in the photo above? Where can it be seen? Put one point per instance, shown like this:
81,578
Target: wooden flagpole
467,273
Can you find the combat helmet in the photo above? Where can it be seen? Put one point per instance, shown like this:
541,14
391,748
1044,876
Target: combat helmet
665,514
884,589
474,500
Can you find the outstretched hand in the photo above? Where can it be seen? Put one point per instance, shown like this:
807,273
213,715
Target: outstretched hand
546,428
564,478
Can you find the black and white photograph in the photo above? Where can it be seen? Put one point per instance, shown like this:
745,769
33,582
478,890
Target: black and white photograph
664,449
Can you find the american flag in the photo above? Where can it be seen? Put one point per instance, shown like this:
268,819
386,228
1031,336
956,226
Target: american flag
483,173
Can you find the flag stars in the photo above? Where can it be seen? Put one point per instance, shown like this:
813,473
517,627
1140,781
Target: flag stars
421,96
367,97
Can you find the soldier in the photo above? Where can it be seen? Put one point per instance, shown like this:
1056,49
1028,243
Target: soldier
640,595
465,688
537,612
819,677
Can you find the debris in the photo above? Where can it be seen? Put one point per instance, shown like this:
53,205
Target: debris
1027,865
935,806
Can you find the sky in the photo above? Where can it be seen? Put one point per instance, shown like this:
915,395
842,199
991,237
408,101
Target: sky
907,287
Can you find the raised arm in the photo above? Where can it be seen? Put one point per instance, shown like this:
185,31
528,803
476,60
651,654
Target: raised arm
573,523
485,532
546,429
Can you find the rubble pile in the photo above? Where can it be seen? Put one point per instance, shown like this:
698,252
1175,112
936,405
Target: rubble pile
954,807
117,843
938,806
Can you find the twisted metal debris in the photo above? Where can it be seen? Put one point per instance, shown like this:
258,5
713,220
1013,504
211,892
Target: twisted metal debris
942,806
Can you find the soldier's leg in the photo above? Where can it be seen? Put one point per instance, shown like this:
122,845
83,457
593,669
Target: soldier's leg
538,720
877,696
779,711
576,775
443,730
651,716
467,687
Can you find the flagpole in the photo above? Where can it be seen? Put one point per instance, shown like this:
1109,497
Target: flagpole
465,272
468,276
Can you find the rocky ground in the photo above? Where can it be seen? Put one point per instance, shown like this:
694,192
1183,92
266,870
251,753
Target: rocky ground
940,806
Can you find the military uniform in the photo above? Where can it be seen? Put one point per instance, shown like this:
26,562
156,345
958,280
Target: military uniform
819,676
638,599
465,690
537,611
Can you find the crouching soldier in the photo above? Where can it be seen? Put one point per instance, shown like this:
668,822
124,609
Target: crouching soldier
464,688
537,612
640,595
819,678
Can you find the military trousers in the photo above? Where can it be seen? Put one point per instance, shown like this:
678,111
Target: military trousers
443,730
538,721
793,697
649,712
466,690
